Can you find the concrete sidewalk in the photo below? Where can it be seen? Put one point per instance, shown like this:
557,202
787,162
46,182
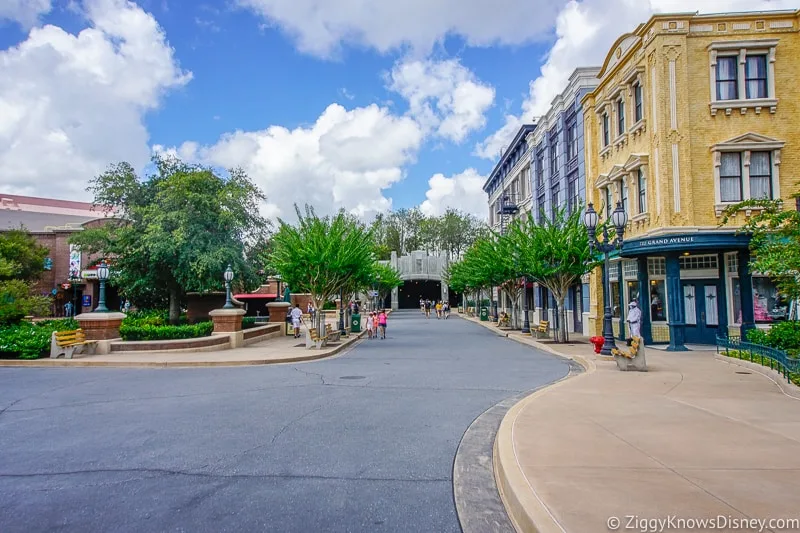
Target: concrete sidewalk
284,349
695,437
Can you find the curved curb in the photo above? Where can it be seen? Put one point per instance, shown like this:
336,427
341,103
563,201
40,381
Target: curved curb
62,363
789,389
524,507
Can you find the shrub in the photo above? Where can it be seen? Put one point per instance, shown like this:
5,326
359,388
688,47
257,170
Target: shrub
148,332
782,335
27,340
329,305
17,302
756,336
249,322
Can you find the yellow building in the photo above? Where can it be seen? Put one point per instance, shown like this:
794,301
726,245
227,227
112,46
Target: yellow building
693,113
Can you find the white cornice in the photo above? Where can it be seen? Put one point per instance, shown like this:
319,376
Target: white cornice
581,78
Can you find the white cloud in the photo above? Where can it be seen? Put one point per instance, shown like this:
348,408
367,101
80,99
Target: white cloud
320,27
443,96
462,191
585,31
72,104
24,12
346,159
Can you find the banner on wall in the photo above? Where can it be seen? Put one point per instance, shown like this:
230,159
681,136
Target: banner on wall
87,300
74,261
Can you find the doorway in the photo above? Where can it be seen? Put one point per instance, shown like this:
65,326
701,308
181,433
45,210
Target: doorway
701,309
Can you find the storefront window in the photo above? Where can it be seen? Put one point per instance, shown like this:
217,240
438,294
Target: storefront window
736,300
658,311
768,305
615,299
633,292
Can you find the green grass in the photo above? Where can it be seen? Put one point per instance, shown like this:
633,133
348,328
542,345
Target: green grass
761,360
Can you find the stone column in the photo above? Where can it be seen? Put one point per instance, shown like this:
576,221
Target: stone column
278,311
644,300
722,296
677,322
746,287
101,327
229,322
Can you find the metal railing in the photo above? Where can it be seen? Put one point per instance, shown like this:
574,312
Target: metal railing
763,355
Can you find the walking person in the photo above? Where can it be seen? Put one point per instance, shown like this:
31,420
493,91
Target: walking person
297,317
446,310
438,310
375,325
427,308
370,325
382,323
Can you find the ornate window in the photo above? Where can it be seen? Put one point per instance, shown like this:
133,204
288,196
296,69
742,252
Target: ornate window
620,116
638,112
743,75
606,132
746,167
641,186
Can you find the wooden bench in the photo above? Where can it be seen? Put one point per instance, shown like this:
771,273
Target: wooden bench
313,340
70,342
543,329
333,336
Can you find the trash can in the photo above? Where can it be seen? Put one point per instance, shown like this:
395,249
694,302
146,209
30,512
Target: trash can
484,314
355,323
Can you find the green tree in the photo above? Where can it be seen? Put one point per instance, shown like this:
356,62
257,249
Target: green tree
323,255
775,241
21,257
385,278
177,230
554,254
21,263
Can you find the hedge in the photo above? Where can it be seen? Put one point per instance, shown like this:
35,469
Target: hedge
26,340
781,335
147,332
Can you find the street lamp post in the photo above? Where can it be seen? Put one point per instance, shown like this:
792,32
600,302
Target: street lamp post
526,325
228,275
102,276
342,331
619,218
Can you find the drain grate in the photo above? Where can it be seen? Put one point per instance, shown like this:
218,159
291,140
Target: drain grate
353,377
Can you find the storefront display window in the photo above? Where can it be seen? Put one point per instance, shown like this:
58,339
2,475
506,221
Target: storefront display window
633,292
768,305
658,310
615,310
736,300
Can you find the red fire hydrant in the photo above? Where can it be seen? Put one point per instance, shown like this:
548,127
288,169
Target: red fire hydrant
598,343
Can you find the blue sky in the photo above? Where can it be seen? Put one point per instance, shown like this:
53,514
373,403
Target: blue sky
361,104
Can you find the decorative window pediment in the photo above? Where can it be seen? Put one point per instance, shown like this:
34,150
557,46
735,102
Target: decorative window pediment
601,181
617,172
748,141
635,161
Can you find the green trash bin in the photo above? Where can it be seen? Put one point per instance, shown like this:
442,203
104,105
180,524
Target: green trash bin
484,314
355,323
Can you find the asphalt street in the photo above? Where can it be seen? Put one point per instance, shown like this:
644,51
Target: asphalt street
361,442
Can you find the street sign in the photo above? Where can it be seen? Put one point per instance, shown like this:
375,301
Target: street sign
89,274
373,294
65,286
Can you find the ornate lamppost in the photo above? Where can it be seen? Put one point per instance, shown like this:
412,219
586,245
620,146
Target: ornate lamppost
102,276
228,275
526,325
619,218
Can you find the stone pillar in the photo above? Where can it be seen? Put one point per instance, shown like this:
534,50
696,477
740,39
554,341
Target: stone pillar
395,299
101,327
722,297
677,323
229,321
644,300
278,311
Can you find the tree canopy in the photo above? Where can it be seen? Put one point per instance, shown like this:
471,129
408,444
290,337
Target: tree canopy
21,263
178,230
323,255
775,242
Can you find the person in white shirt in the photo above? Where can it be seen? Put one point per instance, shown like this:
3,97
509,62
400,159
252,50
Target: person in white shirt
297,315
635,319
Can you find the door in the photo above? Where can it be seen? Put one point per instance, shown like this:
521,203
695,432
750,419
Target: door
577,308
701,309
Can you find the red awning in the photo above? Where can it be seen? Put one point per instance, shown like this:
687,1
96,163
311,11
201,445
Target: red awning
254,296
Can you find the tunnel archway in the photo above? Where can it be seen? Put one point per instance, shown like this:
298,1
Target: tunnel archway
411,291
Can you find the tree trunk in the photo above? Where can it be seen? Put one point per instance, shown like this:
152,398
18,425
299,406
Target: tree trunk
562,326
174,306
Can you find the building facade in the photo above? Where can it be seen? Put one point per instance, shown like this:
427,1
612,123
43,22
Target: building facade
692,114
558,177
68,274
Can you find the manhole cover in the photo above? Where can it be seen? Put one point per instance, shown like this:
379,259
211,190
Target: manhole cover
352,377
743,372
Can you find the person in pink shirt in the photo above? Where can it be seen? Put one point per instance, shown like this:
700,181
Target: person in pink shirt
382,323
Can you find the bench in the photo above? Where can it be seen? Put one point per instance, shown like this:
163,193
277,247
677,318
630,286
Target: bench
70,342
313,340
333,336
543,328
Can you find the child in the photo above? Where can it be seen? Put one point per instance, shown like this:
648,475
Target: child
369,325
382,323
375,324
